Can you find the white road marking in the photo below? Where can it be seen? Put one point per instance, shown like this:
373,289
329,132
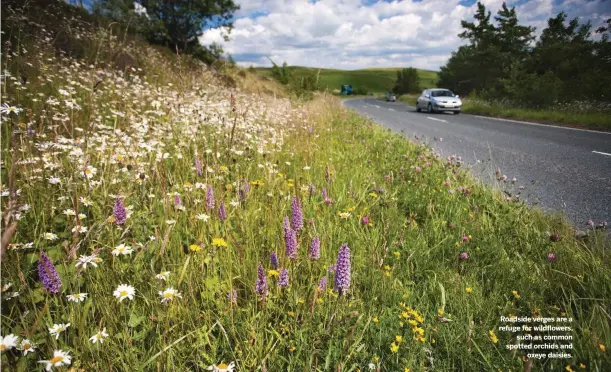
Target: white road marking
540,125
376,106
441,120
391,109
602,153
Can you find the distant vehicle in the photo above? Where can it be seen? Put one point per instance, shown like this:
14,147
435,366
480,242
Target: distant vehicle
439,100
390,97
346,90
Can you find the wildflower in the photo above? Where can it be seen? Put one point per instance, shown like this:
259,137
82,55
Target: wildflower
54,180
514,180
397,254
554,237
602,347
551,257
493,337
515,294
344,215
219,242
195,248
324,193
163,275
569,368
119,212
99,336
60,358
297,215
57,329
418,170
273,273
210,199
222,212
342,273
365,220
124,291
291,244
315,248
394,347
273,258
376,320
283,280
465,239
398,339
77,297
90,172
468,290
222,367
48,275
178,202
311,190
50,236
261,285
26,346
232,296
122,249
464,256
582,366
8,342
169,294
6,109
85,260
202,217
322,284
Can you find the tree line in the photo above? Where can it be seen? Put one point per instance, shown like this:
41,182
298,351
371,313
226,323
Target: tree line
569,61
175,24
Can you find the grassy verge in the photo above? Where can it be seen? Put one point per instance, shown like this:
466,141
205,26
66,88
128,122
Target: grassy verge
589,119
183,192
410,99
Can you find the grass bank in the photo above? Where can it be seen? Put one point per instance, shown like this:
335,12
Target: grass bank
576,115
186,224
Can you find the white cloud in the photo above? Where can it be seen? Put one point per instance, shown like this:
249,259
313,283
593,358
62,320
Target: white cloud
354,34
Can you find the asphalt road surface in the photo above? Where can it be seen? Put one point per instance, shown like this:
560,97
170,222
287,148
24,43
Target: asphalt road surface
561,169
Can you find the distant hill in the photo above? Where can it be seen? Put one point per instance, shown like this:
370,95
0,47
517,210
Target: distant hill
375,80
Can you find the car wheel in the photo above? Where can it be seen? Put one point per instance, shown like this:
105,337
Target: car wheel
429,108
456,112
417,108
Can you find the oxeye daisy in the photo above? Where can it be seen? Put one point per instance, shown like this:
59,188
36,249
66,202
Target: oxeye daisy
122,249
57,329
124,291
222,367
27,346
50,236
99,336
169,294
84,260
77,297
163,275
202,217
8,342
60,358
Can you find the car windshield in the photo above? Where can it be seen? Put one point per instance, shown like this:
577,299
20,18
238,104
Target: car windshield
442,93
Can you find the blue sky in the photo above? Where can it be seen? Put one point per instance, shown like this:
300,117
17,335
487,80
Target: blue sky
353,34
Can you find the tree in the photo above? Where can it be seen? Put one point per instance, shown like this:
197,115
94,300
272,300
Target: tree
407,81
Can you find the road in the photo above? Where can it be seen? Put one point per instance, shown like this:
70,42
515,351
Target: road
561,169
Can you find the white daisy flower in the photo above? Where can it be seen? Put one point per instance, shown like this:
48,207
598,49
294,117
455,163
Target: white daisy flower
57,329
169,294
99,337
27,346
90,171
84,260
81,229
124,291
202,217
222,367
8,342
163,275
122,249
54,180
306,168
50,236
77,297
69,212
60,358
6,109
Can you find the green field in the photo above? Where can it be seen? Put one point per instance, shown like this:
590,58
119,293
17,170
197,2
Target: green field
375,80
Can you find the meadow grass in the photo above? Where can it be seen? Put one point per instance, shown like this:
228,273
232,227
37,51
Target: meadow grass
372,80
165,180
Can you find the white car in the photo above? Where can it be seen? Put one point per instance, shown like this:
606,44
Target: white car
438,100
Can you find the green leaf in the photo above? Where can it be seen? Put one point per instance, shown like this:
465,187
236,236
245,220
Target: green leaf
135,320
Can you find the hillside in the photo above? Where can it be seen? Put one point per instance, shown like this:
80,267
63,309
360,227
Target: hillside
375,80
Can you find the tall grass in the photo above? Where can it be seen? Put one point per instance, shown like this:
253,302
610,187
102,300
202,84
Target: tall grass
169,140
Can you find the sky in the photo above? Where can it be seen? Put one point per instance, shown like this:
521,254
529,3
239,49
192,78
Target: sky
355,34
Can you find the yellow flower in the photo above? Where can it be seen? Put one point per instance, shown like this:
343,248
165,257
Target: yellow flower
412,322
492,336
515,294
419,331
457,244
421,339
228,187
376,358
291,313
440,311
602,347
219,242
195,247
373,194
292,348
376,320
387,273
257,183
110,219
344,215
223,169
273,273
319,301
468,289
569,369
398,339
582,366
396,254
406,369
394,347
